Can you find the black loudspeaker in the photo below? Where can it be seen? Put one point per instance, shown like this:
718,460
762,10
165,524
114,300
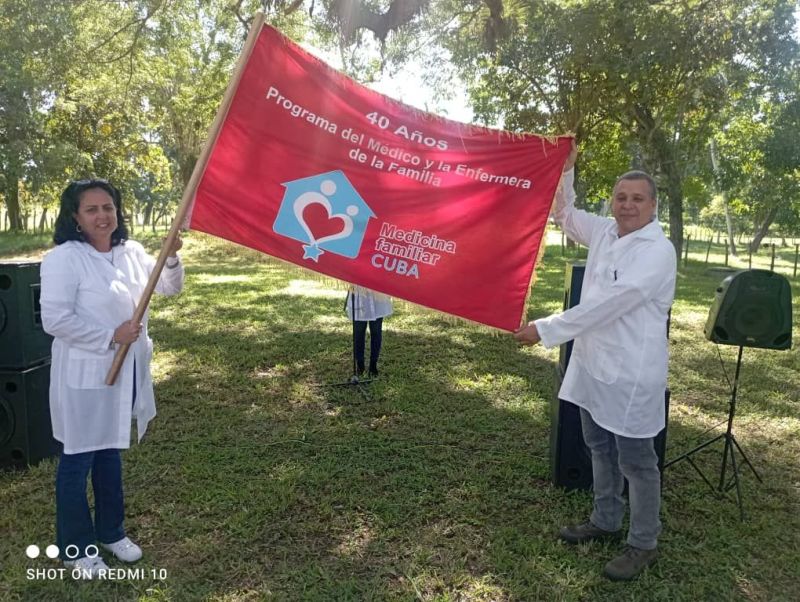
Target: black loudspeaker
23,342
752,308
573,283
26,436
570,459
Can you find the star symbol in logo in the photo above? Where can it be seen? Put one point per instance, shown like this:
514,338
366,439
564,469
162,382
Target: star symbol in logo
311,252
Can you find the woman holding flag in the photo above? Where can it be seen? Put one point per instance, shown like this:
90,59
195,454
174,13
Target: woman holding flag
91,283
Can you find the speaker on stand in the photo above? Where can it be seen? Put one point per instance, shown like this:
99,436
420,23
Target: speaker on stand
570,458
26,435
752,308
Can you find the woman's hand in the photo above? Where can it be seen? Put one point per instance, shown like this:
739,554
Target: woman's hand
127,332
177,244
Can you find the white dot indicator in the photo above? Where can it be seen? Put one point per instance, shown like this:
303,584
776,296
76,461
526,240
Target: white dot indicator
328,187
51,551
352,210
32,551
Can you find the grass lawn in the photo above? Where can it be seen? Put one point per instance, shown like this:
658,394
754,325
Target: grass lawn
258,482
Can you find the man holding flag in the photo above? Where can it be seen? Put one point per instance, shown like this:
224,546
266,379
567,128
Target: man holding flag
618,370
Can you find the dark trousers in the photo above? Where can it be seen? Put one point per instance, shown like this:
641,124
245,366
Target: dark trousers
74,525
375,338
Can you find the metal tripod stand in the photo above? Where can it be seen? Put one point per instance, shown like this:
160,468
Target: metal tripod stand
729,450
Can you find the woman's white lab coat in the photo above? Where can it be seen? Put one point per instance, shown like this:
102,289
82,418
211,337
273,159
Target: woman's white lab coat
618,367
84,298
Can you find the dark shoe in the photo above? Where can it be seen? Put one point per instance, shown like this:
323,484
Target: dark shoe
373,372
585,532
630,563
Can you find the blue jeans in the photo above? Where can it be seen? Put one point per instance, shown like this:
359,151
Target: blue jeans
73,520
74,524
614,459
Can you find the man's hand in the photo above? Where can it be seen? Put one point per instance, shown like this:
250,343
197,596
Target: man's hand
573,155
527,335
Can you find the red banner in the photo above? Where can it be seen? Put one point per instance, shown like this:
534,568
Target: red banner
315,169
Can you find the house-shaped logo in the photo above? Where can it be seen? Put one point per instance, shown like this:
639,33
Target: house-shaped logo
325,213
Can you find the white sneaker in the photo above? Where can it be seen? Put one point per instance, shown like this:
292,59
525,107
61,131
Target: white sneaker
87,568
124,549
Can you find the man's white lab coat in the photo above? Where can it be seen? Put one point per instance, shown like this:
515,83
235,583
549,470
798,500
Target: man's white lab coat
84,298
618,367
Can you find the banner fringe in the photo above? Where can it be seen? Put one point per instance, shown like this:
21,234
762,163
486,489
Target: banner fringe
541,251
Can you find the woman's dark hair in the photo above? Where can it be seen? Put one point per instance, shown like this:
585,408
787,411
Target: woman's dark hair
66,226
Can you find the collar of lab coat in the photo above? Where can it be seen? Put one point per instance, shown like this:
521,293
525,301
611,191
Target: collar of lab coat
116,254
651,231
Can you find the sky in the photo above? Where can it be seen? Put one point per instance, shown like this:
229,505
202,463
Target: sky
407,85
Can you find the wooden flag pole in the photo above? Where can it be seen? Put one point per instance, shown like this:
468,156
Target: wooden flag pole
189,191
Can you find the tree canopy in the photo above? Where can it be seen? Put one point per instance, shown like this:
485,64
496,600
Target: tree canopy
127,89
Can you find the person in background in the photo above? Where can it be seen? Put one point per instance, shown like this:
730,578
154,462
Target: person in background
617,374
366,307
91,283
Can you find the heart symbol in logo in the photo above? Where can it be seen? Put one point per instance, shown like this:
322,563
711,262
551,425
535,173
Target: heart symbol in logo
321,223
326,225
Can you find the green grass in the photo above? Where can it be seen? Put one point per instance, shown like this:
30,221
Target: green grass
258,482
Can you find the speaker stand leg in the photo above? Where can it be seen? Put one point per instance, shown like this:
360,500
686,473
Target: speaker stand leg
728,452
746,459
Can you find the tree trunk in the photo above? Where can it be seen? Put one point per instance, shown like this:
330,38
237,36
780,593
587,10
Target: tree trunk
43,221
663,152
724,194
675,200
187,167
12,199
761,229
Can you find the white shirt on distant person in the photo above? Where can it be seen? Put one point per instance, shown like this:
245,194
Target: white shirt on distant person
367,304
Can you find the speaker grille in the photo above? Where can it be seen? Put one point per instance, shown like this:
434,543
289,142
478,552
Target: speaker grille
752,308
23,341
6,422
26,435
756,322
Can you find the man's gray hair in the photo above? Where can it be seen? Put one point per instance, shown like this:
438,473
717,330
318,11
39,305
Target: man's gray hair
640,175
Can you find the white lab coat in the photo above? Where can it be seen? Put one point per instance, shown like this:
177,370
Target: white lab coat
368,304
84,298
618,367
